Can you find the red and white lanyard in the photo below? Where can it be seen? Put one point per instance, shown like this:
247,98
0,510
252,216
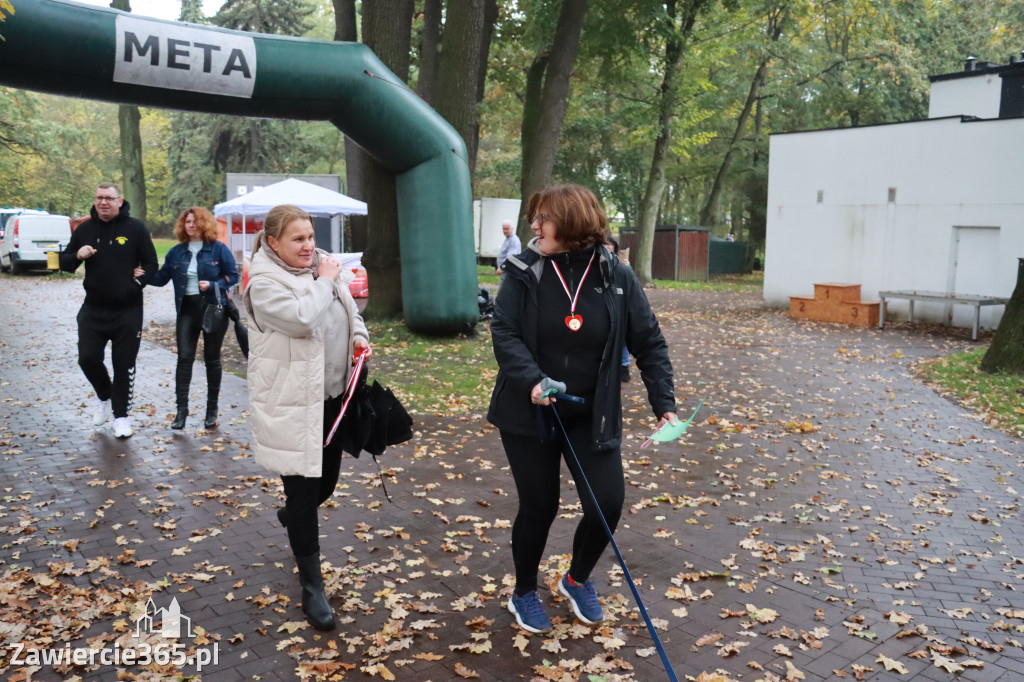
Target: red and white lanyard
573,321
349,391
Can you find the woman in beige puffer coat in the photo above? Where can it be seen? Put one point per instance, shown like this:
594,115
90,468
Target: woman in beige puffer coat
304,330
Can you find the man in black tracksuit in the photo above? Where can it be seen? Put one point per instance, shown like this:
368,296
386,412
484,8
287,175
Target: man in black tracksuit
112,244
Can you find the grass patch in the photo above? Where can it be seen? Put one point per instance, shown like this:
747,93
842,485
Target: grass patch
748,283
996,397
162,247
485,275
432,375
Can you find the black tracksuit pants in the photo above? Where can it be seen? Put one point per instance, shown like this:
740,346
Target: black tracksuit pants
536,468
304,495
122,327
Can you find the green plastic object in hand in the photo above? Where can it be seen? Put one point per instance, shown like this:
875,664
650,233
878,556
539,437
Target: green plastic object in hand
669,431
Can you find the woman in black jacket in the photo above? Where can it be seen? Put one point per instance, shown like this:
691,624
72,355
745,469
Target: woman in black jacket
564,312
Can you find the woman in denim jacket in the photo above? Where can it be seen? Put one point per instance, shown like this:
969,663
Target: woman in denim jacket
194,264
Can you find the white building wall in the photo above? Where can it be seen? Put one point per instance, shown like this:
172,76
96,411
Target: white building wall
976,96
947,175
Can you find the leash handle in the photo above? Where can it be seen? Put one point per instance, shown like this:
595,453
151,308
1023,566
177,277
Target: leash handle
618,555
558,395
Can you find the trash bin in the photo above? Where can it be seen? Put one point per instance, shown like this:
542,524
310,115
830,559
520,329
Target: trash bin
52,260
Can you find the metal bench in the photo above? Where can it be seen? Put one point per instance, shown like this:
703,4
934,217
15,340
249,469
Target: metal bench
940,297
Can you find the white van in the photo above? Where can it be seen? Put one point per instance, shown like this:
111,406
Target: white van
28,236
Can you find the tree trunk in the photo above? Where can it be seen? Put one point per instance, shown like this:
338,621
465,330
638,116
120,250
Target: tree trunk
132,174
134,177
458,67
490,17
387,30
345,27
668,96
346,30
528,131
1006,354
542,117
710,209
426,81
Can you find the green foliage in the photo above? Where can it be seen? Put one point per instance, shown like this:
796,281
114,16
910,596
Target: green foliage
995,397
282,17
203,147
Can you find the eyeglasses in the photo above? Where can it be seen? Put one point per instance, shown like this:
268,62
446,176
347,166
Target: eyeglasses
109,200
539,218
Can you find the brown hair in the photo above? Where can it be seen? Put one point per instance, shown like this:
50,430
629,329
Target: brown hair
205,222
573,209
277,219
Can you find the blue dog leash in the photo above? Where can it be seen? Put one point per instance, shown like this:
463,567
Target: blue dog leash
553,391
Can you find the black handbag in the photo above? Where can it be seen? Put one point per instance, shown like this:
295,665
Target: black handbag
241,333
215,318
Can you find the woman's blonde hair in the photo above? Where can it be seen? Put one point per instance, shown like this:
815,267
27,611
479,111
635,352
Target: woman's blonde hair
277,219
205,222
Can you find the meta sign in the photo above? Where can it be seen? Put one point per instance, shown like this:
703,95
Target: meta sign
181,57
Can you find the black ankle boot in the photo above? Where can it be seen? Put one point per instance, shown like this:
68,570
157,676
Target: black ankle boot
211,415
179,419
314,601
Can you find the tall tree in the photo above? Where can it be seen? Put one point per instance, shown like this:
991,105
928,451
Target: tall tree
132,173
776,20
430,39
546,98
284,17
678,24
459,69
205,147
387,30
1006,354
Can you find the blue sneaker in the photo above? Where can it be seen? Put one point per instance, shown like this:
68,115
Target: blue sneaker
529,612
583,599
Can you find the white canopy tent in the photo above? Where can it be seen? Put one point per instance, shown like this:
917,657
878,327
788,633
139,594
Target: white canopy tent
316,200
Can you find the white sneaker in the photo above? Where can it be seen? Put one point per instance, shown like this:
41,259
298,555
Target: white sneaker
123,427
100,411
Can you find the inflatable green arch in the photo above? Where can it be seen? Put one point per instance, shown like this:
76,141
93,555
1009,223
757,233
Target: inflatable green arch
77,50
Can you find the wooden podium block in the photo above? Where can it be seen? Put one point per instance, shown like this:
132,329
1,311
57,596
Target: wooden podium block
837,292
835,302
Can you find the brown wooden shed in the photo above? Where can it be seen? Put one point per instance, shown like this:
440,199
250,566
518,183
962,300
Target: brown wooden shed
680,251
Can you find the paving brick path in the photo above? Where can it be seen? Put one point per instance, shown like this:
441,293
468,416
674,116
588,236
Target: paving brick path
827,515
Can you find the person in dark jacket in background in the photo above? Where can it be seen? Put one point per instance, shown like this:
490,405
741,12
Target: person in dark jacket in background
565,311
112,245
194,265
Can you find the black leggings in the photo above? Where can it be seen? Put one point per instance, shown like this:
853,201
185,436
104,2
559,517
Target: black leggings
303,495
189,326
536,469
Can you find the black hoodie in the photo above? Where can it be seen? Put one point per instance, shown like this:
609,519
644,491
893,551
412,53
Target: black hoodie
121,245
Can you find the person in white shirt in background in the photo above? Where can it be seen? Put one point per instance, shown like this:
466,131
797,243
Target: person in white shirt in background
510,247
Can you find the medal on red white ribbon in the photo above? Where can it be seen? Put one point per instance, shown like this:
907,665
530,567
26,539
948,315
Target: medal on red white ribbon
573,321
